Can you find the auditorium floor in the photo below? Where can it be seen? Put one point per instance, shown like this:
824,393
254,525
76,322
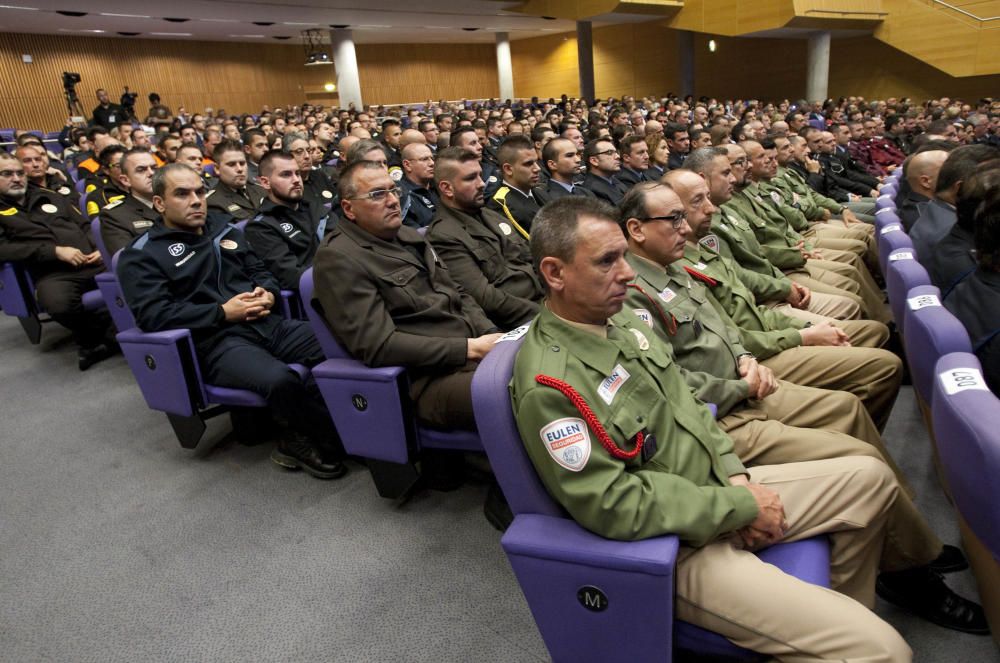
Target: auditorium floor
118,545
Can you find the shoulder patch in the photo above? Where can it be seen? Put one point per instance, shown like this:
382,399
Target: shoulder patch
568,442
11,211
644,315
115,203
501,193
710,241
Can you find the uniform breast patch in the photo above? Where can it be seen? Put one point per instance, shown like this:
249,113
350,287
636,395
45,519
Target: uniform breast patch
176,249
505,228
644,315
142,223
287,227
568,442
667,295
610,385
711,241
49,208
228,244
232,208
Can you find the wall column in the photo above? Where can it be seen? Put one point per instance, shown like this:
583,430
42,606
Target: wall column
685,58
818,66
585,58
345,59
505,69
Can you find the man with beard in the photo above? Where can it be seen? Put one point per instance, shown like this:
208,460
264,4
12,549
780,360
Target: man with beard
233,196
288,229
317,189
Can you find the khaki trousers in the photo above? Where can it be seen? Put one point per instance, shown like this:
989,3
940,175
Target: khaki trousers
837,229
837,307
730,591
854,277
871,374
820,281
863,333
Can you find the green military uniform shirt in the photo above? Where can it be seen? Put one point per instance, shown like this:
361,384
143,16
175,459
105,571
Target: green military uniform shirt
706,347
679,486
764,331
777,239
738,241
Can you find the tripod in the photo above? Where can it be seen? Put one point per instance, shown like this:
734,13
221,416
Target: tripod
73,105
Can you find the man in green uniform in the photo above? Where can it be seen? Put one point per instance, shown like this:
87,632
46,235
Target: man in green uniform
620,442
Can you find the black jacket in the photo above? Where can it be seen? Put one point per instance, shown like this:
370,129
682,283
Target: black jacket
629,177
418,204
286,239
174,279
236,204
833,168
612,193
123,220
31,231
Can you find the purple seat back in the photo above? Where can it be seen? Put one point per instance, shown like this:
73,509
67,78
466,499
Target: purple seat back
501,439
891,237
98,239
884,217
931,332
331,346
967,434
902,274
13,299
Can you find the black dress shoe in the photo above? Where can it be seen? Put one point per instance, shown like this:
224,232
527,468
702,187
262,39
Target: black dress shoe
298,453
922,592
950,560
87,357
496,509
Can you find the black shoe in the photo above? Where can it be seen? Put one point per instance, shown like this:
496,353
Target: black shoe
298,453
922,592
950,560
87,357
496,509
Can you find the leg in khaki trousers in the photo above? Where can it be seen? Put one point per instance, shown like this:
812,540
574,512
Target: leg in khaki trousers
863,333
854,278
730,591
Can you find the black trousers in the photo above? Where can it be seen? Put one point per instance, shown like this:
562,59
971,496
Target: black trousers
243,360
61,295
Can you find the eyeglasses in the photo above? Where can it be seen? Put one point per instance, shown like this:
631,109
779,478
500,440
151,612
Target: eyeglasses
7,174
605,153
379,195
676,220
738,162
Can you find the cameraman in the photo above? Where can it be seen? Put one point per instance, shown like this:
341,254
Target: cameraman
106,114
128,105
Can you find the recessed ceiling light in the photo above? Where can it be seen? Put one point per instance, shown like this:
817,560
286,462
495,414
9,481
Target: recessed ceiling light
263,23
248,36
171,34
281,37
339,27
374,27
219,20
293,23
549,18
30,9
470,29
90,31
129,34
124,15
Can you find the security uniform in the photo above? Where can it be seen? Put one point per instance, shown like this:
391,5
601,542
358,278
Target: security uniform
491,261
418,204
286,238
100,197
976,302
239,204
518,207
123,220
318,190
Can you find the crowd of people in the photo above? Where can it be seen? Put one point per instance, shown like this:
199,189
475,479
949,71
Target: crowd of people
655,255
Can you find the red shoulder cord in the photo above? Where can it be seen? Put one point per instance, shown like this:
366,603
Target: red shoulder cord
670,324
595,424
705,278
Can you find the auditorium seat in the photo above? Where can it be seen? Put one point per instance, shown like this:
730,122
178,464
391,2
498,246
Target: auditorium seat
884,201
902,274
884,217
371,409
967,435
891,237
17,299
931,332
586,593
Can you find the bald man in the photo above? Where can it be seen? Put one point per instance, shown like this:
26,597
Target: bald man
410,137
922,175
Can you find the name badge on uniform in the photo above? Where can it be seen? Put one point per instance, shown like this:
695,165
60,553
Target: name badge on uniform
142,223
700,265
776,197
568,442
49,208
64,190
644,315
667,295
228,244
505,228
233,207
610,385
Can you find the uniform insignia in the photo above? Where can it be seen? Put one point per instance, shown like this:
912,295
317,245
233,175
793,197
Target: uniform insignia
776,197
644,315
427,201
90,188
209,194
640,338
667,295
49,208
396,173
115,203
327,195
115,199
228,244
514,334
142,223
795,199
493,178
610,385
233,207
92,208
287,227
568,442
505,228
710,241
176,249
64,190
9,212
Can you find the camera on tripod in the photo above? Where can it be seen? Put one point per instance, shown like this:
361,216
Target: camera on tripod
127,102
70,79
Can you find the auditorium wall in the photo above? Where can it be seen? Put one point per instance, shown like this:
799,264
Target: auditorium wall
240,77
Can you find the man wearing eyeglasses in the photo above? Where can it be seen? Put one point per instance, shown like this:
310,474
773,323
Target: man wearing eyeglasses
420,200
391,301
42,231
603,163
288,229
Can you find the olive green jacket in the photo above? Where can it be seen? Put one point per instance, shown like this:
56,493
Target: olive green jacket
777,239
629,382
737,240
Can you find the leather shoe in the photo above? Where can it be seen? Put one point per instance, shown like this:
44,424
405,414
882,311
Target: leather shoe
923,592
950,560
298,453
87,357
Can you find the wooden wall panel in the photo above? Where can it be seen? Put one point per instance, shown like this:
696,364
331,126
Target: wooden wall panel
412,73
545,66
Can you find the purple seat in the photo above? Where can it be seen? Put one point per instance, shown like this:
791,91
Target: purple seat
169,376
891,237
931,332
884,217
81,185
566,571
885,201
370,408
966,425
903,273
17,299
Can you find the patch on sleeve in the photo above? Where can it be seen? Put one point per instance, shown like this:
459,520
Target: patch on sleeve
568,442
644,315
710,241
610,385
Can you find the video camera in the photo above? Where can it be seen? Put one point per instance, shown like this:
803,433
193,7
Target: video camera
70,79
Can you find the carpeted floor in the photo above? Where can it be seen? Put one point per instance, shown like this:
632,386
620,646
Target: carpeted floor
118,545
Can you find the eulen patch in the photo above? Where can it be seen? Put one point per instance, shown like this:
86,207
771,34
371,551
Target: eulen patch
568,442
610,385
644,315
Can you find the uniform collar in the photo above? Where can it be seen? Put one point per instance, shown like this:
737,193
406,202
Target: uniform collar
599,353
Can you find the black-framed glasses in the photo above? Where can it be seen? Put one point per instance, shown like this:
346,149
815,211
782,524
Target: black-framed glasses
676,220
379,195
605,152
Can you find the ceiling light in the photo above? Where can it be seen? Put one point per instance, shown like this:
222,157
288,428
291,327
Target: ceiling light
30,9
176,20
124,15
171,34
281,37
339,27
69,13
219,20
302,24
91,31
129,34
317,58
374,27
248,36
711,45
263,23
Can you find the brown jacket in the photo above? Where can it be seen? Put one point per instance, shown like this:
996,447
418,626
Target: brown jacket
490,261
390,309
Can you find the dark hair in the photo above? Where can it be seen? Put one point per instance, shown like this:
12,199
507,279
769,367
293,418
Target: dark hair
249,135
225,146
553,231
986,221
455,139
161,175
110,154
962,162
266,166
629,141
510,147
346,188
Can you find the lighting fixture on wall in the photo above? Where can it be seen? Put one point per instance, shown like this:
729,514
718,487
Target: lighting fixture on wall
330,87
711,45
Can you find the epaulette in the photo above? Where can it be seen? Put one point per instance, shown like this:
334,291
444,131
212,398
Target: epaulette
115,203
705,278
501,194
209,194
